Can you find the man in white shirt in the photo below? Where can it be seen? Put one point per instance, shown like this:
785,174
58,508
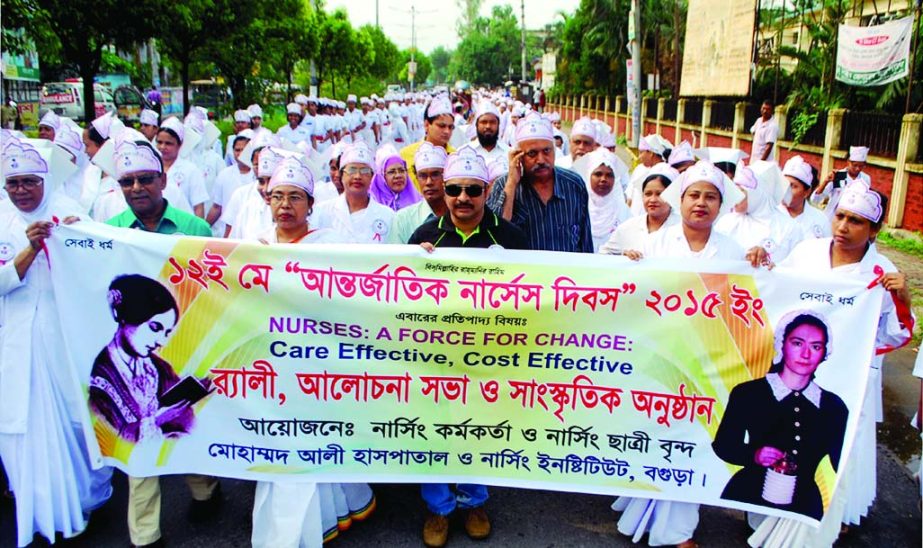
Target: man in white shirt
487,124
831,187
582,141
228,180
765,134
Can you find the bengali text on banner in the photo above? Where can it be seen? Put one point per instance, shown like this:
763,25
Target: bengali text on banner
660,379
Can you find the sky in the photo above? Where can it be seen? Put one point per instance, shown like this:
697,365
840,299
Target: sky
435,21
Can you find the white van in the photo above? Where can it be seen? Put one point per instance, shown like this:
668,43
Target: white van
66,99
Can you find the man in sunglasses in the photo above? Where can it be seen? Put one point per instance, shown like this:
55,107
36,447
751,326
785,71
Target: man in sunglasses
142,180
468,223
548,203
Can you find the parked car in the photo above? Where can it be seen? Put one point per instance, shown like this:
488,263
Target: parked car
129,102
66,99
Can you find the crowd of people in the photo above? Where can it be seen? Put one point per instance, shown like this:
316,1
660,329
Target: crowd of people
402,168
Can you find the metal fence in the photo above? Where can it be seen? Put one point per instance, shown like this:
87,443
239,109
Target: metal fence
878,131
693,113
669,109
722,115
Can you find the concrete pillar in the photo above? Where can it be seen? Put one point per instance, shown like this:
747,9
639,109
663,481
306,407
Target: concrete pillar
832,137
660,103
680,114
707,107
619,99
907,149
782,120
582,105
645,112
606,113
740,122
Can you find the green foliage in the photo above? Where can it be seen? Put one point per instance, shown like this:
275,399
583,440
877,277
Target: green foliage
489,52
801,123
911,244
387,58
440,59
424,66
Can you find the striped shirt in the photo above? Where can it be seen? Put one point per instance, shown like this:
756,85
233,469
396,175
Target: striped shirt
563,224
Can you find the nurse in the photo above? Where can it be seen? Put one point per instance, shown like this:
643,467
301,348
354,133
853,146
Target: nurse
851,250
756,221
601,171
354,215
700,194
802,179
185,182
634,233
41,441
302,514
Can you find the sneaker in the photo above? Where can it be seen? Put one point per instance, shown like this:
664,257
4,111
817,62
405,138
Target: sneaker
201,511
436,530
477,524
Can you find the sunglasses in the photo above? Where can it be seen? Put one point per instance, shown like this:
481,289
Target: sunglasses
473,191
146,180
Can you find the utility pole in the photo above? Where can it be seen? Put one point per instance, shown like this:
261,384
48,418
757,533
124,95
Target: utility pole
634,94
376,14
522,38
412,69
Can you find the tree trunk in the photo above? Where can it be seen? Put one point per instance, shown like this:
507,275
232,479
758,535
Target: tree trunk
89,66
677,58
288,93
89,93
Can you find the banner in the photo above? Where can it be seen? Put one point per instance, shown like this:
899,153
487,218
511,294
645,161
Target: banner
718,55
570,372
873,56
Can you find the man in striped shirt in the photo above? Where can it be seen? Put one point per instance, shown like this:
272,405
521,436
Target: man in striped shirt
548,203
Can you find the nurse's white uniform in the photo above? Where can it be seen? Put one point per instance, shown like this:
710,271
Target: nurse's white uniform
634,234
295,514
858,486
812,222
670,522
42,445
371,225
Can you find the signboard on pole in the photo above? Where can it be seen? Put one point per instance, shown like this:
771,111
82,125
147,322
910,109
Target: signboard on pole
873,56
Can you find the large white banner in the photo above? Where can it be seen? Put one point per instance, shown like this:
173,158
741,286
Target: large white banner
872,56
588,373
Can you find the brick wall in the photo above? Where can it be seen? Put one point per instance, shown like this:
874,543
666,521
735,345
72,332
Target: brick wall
882,177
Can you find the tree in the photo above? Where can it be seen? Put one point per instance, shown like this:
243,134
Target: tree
387,62
440,59
292,39
470,10
424,67
490,50
194,25
80,29
335,35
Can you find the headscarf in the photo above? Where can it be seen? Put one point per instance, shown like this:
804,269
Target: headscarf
606,211
44,159
380,190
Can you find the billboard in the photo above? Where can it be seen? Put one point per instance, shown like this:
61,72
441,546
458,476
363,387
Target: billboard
718,50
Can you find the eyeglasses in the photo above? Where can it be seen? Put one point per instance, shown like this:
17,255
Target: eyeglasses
293,199
536,151
396,172
431,176
473,191
144,180
358,171
25,184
